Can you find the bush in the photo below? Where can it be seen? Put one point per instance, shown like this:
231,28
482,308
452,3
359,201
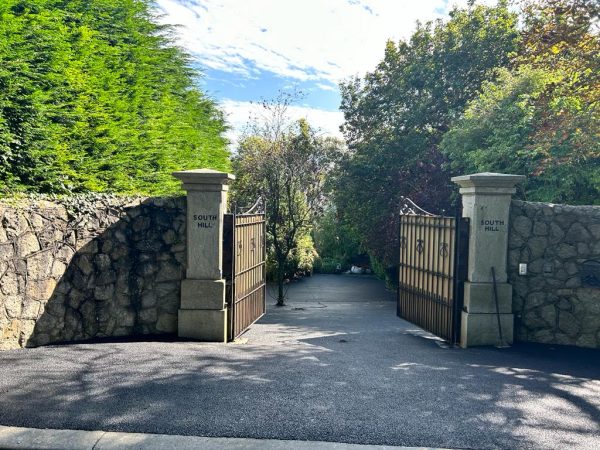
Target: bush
327,265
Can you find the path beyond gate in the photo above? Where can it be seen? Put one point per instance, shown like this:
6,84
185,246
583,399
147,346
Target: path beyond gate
244,258
432,270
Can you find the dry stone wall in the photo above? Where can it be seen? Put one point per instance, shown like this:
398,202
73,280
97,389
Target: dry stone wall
558,301
89,267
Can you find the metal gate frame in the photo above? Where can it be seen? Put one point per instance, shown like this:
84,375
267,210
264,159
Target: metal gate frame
244,272
432,295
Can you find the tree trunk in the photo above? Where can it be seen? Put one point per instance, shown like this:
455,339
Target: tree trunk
280,293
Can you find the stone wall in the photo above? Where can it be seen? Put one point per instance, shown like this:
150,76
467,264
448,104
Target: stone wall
89,267
553,303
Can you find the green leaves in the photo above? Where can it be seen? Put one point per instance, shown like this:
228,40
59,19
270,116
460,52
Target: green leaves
395,118
94,97
540,118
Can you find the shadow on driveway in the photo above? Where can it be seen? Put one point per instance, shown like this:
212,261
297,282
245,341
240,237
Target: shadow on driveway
336,364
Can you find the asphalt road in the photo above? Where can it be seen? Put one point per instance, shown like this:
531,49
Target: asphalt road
334,365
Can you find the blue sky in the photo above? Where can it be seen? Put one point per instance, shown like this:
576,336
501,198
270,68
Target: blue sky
250,49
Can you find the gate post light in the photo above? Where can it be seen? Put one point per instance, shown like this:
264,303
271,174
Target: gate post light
202,314
487,309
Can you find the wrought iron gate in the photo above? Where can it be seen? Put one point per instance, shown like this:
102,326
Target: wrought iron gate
432,270
244,260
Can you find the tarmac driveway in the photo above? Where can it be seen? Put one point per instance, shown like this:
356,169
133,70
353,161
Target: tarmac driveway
334,365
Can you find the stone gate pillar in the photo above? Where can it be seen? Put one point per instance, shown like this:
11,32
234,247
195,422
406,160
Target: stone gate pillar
486,201
202,313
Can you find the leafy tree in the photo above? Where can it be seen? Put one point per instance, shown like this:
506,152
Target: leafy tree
541,119
94,96
396,116
286,163
335,239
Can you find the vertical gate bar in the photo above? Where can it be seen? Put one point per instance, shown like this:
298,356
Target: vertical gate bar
430,258
439,256
399,276
440,270
452,262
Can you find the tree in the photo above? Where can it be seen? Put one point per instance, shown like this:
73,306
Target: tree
396,116
95,96
285,163
540,119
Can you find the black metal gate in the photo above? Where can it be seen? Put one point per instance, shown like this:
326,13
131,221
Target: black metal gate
432,270
244,260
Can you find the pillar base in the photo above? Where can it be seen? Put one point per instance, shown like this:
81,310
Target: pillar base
208,325
479,298
202,294
482,329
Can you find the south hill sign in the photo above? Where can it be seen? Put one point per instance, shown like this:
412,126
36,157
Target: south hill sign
491,224
205,220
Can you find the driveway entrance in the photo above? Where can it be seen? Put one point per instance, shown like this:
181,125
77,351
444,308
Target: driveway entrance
336,364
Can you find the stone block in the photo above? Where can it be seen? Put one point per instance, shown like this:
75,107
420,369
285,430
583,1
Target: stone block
482,329
40,289
203,325
169,272
27,244
202,294
9,283
166,323
479,298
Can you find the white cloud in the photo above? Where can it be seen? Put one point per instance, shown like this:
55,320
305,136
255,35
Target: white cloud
304,40
238,113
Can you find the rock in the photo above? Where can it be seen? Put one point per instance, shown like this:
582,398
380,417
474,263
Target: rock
566,251
583,249
594,229
166,323
556,233
65,253
164,289
102,261
87,246
533,320
9,283
39,265
7,251
148,316
147,269
141,223
56,308
58,269
571,268
567,323
540,229
565,304
169,272
40,289
126,318
148,299
536,266
535,299
548,313
12,304
542,336
522,225
84,264
537,283
27,244
104,292
577,233
573,282
107,277
26,330
169,237
586,340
